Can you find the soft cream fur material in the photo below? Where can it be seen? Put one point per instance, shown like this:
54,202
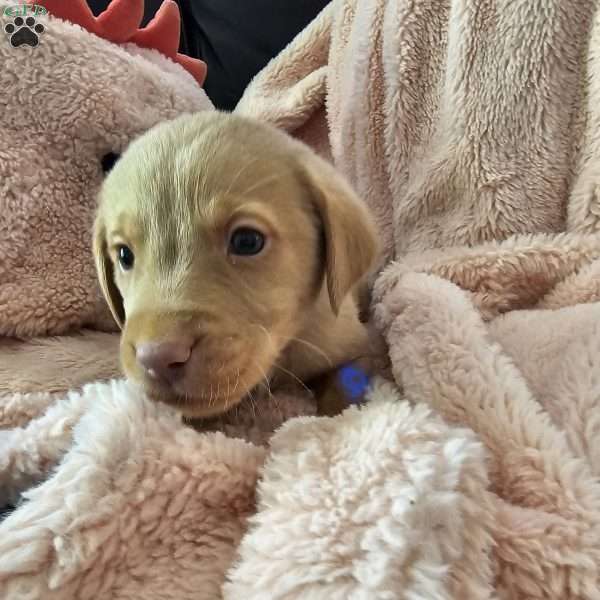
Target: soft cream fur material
363,505
140,508
476,476
67,103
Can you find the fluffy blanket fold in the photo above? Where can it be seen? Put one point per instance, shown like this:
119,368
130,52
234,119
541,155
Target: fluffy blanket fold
526,385
472,131
141,507
383,502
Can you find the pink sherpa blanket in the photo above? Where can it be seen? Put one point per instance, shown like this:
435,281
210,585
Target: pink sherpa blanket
471,129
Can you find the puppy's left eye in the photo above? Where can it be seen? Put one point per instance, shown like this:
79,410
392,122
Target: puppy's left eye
126,258
246,241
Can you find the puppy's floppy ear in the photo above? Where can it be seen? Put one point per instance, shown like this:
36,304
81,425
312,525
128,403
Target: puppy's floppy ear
104,269
350,234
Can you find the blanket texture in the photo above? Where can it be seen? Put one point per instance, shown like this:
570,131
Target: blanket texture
481,482
471,129
458,122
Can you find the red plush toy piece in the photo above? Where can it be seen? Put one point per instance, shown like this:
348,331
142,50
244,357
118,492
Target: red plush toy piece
120,22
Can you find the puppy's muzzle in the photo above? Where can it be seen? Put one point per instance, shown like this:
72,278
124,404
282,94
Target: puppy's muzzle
165,361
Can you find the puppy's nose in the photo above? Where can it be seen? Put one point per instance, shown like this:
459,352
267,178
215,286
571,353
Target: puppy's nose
164,360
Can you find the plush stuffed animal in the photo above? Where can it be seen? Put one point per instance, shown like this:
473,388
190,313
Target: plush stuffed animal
77,89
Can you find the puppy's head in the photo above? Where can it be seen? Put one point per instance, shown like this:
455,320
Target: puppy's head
217,241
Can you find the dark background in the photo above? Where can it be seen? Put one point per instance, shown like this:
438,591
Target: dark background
236,38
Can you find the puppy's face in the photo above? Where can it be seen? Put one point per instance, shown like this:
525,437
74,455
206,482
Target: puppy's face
213,240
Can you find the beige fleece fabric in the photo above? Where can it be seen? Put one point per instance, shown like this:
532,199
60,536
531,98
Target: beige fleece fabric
65,104
131,504
458,121
527,385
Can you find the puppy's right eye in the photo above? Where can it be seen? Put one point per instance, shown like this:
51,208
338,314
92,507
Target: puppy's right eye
246,241
126,258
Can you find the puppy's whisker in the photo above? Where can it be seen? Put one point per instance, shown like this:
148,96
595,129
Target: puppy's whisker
268,335
306,343
237,381
296,378
252,403
267,383
272,343
228,399
211,399
278,407
312,346
275,402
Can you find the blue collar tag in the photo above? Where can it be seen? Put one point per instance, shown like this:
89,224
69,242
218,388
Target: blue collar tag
354,383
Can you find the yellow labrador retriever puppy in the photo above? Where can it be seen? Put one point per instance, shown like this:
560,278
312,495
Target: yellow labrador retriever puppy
229,254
